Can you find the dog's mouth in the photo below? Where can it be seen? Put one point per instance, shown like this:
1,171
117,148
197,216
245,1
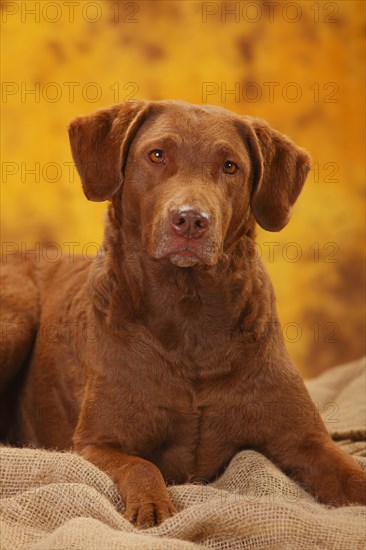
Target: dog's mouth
184,257
188,253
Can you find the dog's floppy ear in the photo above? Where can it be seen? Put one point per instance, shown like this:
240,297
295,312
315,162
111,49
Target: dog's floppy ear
280,170
99,144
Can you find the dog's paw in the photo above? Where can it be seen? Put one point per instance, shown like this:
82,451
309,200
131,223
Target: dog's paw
347,487
146,514
147,502
356,488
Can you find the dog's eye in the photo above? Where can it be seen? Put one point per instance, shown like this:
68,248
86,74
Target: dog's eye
230,167
157,155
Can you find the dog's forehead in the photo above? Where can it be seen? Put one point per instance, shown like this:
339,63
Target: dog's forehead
191,109
179,112
188,119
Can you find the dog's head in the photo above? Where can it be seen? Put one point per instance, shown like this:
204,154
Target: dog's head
190,177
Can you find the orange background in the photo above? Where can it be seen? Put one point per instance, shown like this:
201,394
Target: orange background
298,64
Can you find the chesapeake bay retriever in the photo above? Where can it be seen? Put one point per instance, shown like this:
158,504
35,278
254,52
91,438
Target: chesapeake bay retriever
163,357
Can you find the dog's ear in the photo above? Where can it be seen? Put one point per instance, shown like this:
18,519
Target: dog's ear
280,171
100,143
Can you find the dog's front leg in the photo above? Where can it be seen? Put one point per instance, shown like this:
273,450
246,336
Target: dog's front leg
141,485
298,441
139,481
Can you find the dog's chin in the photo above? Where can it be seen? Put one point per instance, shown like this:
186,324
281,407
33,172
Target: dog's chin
184,260
184,256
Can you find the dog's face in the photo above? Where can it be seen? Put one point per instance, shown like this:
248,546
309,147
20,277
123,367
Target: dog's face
187,175
192,176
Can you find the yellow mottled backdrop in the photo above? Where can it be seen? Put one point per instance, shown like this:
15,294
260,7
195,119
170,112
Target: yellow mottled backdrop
297,64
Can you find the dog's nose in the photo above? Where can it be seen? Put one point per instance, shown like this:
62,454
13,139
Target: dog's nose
189,223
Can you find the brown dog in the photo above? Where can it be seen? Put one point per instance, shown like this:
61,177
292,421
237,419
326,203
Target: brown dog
163,358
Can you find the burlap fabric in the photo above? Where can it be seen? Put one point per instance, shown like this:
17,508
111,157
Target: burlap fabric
58,500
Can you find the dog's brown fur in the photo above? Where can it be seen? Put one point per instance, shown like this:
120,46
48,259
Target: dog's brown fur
163,358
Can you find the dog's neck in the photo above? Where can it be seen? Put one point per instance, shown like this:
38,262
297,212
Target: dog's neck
124,279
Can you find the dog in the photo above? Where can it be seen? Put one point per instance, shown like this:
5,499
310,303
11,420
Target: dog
176,360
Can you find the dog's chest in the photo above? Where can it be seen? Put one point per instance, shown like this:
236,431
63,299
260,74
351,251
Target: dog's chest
199,432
